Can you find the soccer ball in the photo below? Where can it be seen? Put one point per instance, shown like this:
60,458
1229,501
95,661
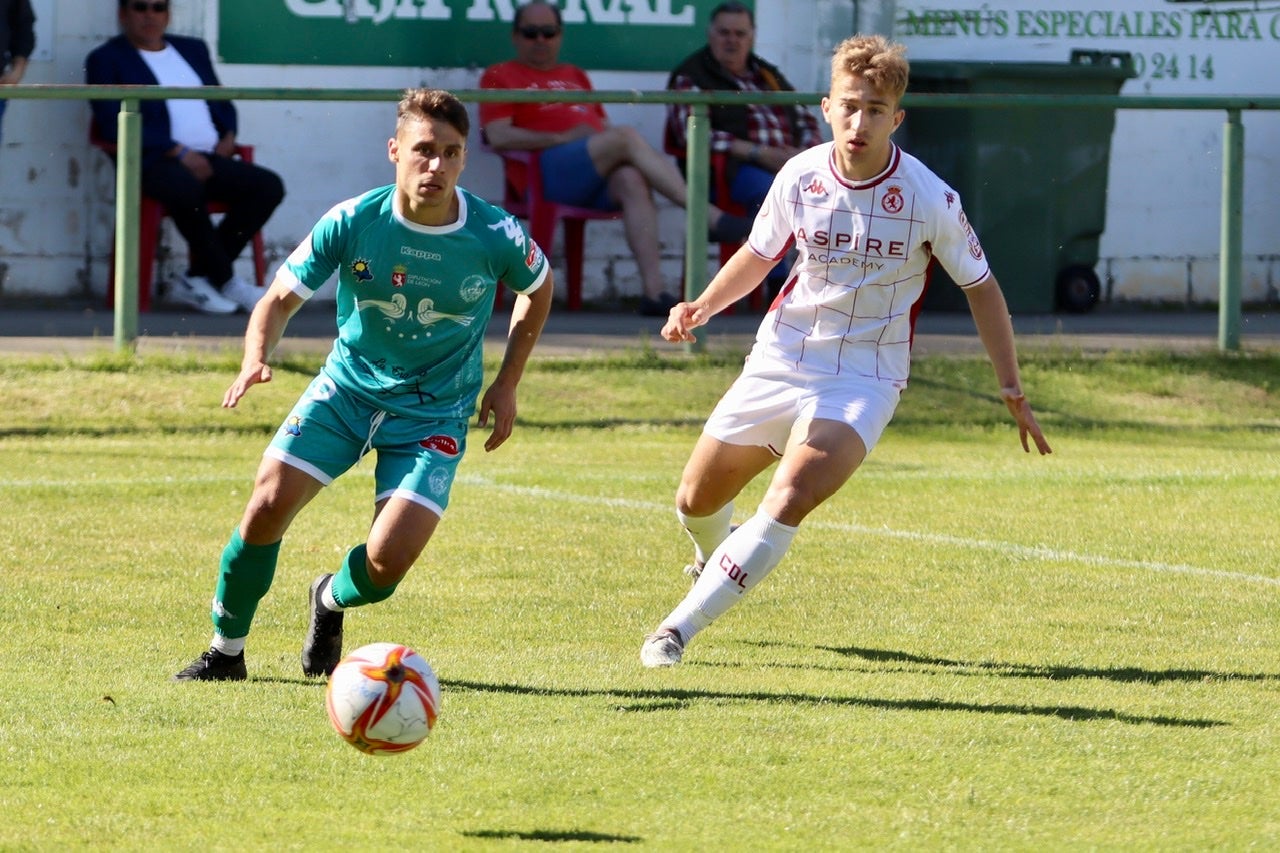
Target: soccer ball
383,698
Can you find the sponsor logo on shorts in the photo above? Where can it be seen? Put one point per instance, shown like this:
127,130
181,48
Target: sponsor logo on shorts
439,482
446,445
293,426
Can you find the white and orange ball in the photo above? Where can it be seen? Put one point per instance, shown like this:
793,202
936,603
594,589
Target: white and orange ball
383,698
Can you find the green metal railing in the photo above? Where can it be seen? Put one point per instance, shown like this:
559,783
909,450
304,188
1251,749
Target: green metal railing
129,140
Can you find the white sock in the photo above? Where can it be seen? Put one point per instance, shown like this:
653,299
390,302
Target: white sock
707,532
327,601
227,645
741,562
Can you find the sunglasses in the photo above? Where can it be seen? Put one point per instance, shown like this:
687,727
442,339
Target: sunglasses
159,8
547,32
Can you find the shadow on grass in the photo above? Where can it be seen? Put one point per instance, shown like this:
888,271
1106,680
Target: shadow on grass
1124,674
553,835
679,699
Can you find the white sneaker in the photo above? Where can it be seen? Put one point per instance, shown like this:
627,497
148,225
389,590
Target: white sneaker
662,648
242,293
196,292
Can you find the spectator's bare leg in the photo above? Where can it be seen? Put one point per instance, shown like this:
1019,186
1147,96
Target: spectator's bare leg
624,146
629,189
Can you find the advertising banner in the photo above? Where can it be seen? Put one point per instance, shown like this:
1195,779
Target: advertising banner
629,35
1179,47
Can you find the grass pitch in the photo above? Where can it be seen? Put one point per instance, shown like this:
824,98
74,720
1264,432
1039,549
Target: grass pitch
968,647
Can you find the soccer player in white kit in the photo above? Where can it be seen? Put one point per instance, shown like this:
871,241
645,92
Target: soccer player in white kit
834,351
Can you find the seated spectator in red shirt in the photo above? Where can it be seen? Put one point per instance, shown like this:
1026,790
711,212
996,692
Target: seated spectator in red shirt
594,164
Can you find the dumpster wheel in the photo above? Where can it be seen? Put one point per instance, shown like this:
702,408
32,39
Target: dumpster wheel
1077,289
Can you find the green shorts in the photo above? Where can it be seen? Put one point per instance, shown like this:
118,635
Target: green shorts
330,429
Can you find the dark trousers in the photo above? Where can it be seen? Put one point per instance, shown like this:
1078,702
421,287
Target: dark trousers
250,193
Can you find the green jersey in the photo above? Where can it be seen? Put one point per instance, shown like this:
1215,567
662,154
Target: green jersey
414,300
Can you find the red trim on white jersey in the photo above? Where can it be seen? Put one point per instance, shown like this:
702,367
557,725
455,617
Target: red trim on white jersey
850,303
895,156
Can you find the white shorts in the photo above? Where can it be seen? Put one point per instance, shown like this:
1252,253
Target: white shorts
762,405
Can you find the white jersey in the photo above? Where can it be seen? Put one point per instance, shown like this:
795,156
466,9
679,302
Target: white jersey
849,305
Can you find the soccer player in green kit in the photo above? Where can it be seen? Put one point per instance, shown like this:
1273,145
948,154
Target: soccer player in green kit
418,264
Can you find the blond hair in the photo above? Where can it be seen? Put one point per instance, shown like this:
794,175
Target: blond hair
876,59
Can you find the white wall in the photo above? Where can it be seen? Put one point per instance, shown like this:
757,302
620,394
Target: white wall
1165,183
57,194
1161,242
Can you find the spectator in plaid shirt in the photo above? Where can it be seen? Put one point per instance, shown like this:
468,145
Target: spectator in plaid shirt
594,163
757,138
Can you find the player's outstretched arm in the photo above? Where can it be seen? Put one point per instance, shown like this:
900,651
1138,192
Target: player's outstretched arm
266,326
741,275
991,316
528,315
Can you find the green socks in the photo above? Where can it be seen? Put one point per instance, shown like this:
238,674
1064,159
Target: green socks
352,587
246,575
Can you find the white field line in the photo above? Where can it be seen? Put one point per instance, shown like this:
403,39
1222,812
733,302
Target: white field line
1031,552
1035,553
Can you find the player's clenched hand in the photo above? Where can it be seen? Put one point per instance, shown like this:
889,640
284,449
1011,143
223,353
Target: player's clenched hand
499,401
250,375
682,320
1021,411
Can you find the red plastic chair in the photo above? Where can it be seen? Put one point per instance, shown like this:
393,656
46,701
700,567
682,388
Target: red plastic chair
150,215
543,216
720,177
719,162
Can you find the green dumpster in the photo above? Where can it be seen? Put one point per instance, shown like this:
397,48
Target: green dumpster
1033,180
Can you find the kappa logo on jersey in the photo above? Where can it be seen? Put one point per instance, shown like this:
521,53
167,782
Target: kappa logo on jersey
892,201
816,187
362,270
422,254
511,229
399,275
445,445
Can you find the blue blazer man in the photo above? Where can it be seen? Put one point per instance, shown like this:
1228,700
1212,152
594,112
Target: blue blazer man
118,62
185,174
